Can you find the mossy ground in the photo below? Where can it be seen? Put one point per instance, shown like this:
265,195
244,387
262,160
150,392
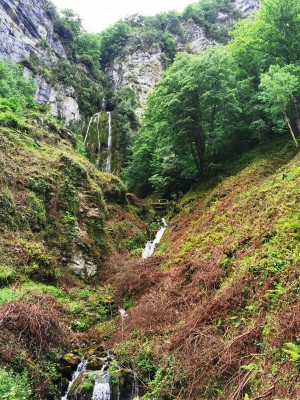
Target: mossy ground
54,203
214,315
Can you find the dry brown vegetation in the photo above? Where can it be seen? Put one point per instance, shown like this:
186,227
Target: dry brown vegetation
223,296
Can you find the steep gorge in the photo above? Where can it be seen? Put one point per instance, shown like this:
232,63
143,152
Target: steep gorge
213,314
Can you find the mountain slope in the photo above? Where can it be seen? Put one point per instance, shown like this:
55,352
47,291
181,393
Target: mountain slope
58,227
221,300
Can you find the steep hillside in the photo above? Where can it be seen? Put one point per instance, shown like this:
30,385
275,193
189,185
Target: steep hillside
216,312
60,221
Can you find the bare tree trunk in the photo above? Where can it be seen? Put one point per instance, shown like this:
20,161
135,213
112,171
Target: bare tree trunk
291,130
297,114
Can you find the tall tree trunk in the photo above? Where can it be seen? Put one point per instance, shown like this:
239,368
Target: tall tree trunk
296,110
291,130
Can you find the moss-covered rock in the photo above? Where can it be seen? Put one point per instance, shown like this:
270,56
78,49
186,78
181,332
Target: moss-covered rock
72,360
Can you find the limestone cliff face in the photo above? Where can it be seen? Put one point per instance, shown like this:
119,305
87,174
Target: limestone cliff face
140,69
247,6
26,29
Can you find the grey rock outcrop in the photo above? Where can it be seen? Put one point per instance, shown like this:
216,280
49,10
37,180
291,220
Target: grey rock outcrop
23,27
247,6
26,29
141,68
138,69
62,100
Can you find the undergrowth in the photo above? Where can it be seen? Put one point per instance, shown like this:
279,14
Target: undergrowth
222,298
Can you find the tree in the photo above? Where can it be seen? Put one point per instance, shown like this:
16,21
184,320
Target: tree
189,119
274,32
279,87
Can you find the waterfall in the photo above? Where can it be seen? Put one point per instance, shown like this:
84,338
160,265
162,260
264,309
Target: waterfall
99,139
109,145
94,118
92,141
150,246
102,387
135,386
81,367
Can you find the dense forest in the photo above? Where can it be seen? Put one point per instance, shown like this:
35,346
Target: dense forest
214,313
214,104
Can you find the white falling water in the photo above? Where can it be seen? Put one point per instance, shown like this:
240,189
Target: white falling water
150,246
99,139
81,367
135,386
102,388
109,145
94,118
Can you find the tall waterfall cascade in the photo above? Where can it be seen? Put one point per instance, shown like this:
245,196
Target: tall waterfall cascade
109,146
98,141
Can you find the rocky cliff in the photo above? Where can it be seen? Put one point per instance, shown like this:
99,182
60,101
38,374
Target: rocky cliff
140,68
26,30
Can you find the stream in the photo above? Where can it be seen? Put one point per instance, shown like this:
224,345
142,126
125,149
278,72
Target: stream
92,380
150,246
103,388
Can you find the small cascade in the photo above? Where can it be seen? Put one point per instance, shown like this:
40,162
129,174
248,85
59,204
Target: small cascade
135,386
109,145
150,246
102,387
123,385
81,367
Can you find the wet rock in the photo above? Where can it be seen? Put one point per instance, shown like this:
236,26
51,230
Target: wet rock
83,386
64,384
95,363
71,360
66,372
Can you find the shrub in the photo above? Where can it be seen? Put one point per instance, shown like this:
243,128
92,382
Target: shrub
14,386
37,322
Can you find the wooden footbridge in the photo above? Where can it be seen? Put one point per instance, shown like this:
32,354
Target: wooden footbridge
161,205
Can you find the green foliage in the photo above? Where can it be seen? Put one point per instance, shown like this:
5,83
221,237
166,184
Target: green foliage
14,386
206,13
137,241
16,93
278,91
69,222
87,49
67,26
293,352
188,124
7,275
113,41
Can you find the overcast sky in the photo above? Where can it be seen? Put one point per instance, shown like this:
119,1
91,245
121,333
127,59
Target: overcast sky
99,14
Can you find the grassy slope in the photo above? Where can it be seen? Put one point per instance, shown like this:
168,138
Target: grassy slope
222,298
54,203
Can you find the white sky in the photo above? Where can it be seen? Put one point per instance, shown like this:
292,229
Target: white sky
99,14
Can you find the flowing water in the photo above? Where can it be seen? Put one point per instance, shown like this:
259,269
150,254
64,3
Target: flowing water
102,387
150,246
109,145
95,118
81,367
95,143
135,386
